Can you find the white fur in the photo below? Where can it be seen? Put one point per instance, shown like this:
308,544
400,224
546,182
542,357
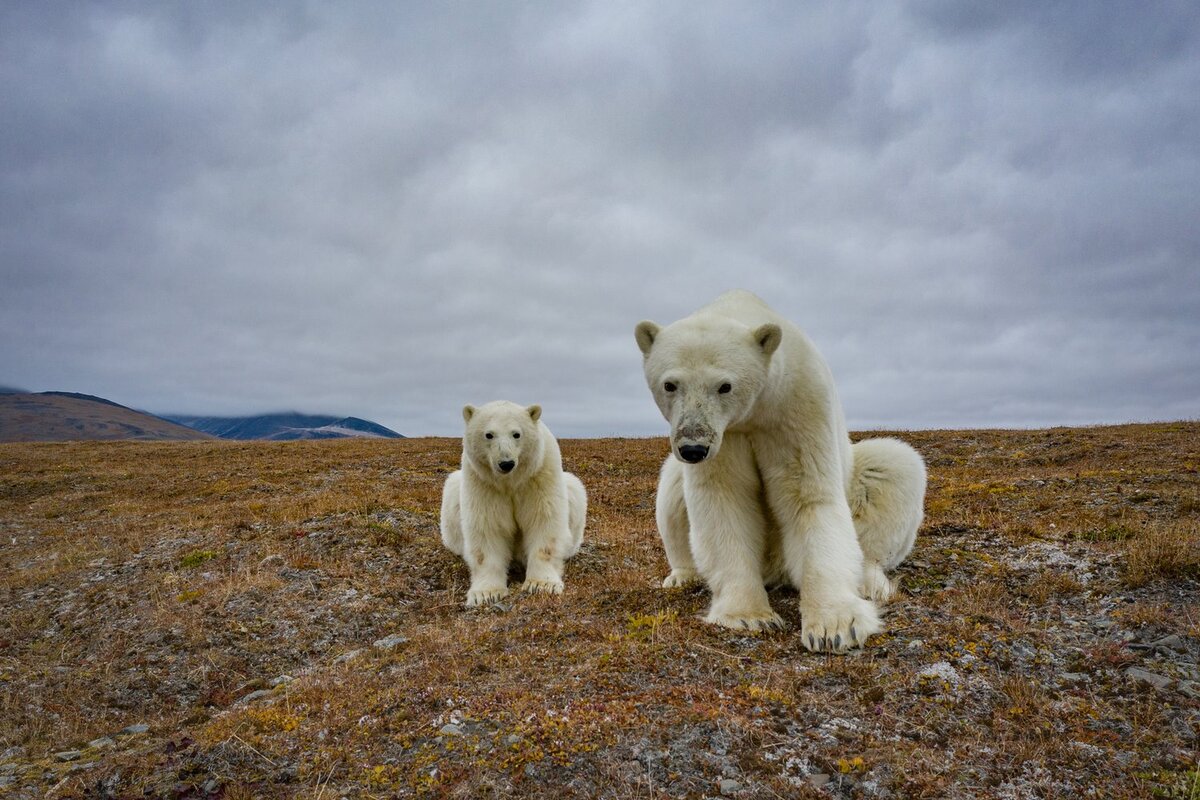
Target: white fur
535,513
778,493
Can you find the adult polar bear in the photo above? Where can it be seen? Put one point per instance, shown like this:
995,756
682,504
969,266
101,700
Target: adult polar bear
511,501
763,486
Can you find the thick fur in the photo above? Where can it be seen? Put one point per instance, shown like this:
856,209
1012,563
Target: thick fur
534,513
763,485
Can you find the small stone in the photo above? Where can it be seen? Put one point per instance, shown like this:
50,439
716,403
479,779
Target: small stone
1188,689
450,729
818,779
7,781
915,644
133,730
1152,678
347,657
102,742
68,755
1073,677
390,642
280,680
257,694
12,753
1172,642
512,740
729,786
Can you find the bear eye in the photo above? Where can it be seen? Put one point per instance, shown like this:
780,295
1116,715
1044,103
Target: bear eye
725,388
516,436
670,387
487,436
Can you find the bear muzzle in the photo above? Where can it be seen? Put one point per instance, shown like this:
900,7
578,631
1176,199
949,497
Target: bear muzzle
507,466
693,453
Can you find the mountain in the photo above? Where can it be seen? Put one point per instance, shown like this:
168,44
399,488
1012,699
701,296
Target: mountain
287,426
66,416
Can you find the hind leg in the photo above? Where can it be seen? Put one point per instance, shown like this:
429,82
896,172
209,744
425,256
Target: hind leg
887,498
670,512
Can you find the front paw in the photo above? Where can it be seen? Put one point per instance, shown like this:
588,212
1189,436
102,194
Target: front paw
679,578
837,627
485,595
544,586
747,620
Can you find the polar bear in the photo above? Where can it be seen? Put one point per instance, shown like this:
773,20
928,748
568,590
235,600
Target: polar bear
763,486
511,500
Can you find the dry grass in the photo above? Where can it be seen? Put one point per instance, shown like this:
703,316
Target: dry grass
163,583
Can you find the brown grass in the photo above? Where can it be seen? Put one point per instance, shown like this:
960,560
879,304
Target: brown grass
163,583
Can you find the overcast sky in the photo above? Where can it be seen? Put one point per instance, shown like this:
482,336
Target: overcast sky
983,214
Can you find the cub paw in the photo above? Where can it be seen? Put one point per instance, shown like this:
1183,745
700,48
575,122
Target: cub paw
835,628
485,596
753,621
679,578
532,586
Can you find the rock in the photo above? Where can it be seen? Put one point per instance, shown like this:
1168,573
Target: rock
818,779
347,657
390,642
1152,678
68,755
257,694
729,786
1172,642
7,781
1073,677
280,680
12,753
450,729
133,730
1188,689
915,644
102,742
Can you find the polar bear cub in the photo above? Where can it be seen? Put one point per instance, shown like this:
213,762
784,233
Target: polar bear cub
763,486
511,500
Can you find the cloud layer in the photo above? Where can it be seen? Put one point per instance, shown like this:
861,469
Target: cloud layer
982,216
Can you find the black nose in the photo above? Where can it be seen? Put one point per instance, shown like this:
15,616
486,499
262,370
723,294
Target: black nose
506,466
693,453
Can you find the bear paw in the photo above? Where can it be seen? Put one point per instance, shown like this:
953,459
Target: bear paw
754,621
679,578
485,596
875,584
542,586
836,628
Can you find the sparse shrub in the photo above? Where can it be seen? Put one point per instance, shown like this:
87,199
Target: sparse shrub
196,558
1163,553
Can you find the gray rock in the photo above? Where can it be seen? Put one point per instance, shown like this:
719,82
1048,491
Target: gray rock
1172,642
68,755
347,657
7,781
133,730
12,753
1073,677
1152,678
390,642
280,680
450,729
1188,689
729,786
258,694
102,742
819,779
512,739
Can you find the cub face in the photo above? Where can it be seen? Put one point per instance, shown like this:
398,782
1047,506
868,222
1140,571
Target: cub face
501,437
705,376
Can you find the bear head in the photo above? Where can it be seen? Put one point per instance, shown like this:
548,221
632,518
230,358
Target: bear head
706,374
502,439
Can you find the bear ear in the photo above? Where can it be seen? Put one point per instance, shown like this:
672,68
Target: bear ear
535,412
768,337
646,332
468,412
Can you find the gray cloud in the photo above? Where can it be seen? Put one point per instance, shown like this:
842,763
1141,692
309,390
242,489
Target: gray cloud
983,216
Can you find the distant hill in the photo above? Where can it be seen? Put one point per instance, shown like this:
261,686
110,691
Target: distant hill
11,390
287,426
65,416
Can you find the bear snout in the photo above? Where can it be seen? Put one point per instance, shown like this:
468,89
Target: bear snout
507,466
693,453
